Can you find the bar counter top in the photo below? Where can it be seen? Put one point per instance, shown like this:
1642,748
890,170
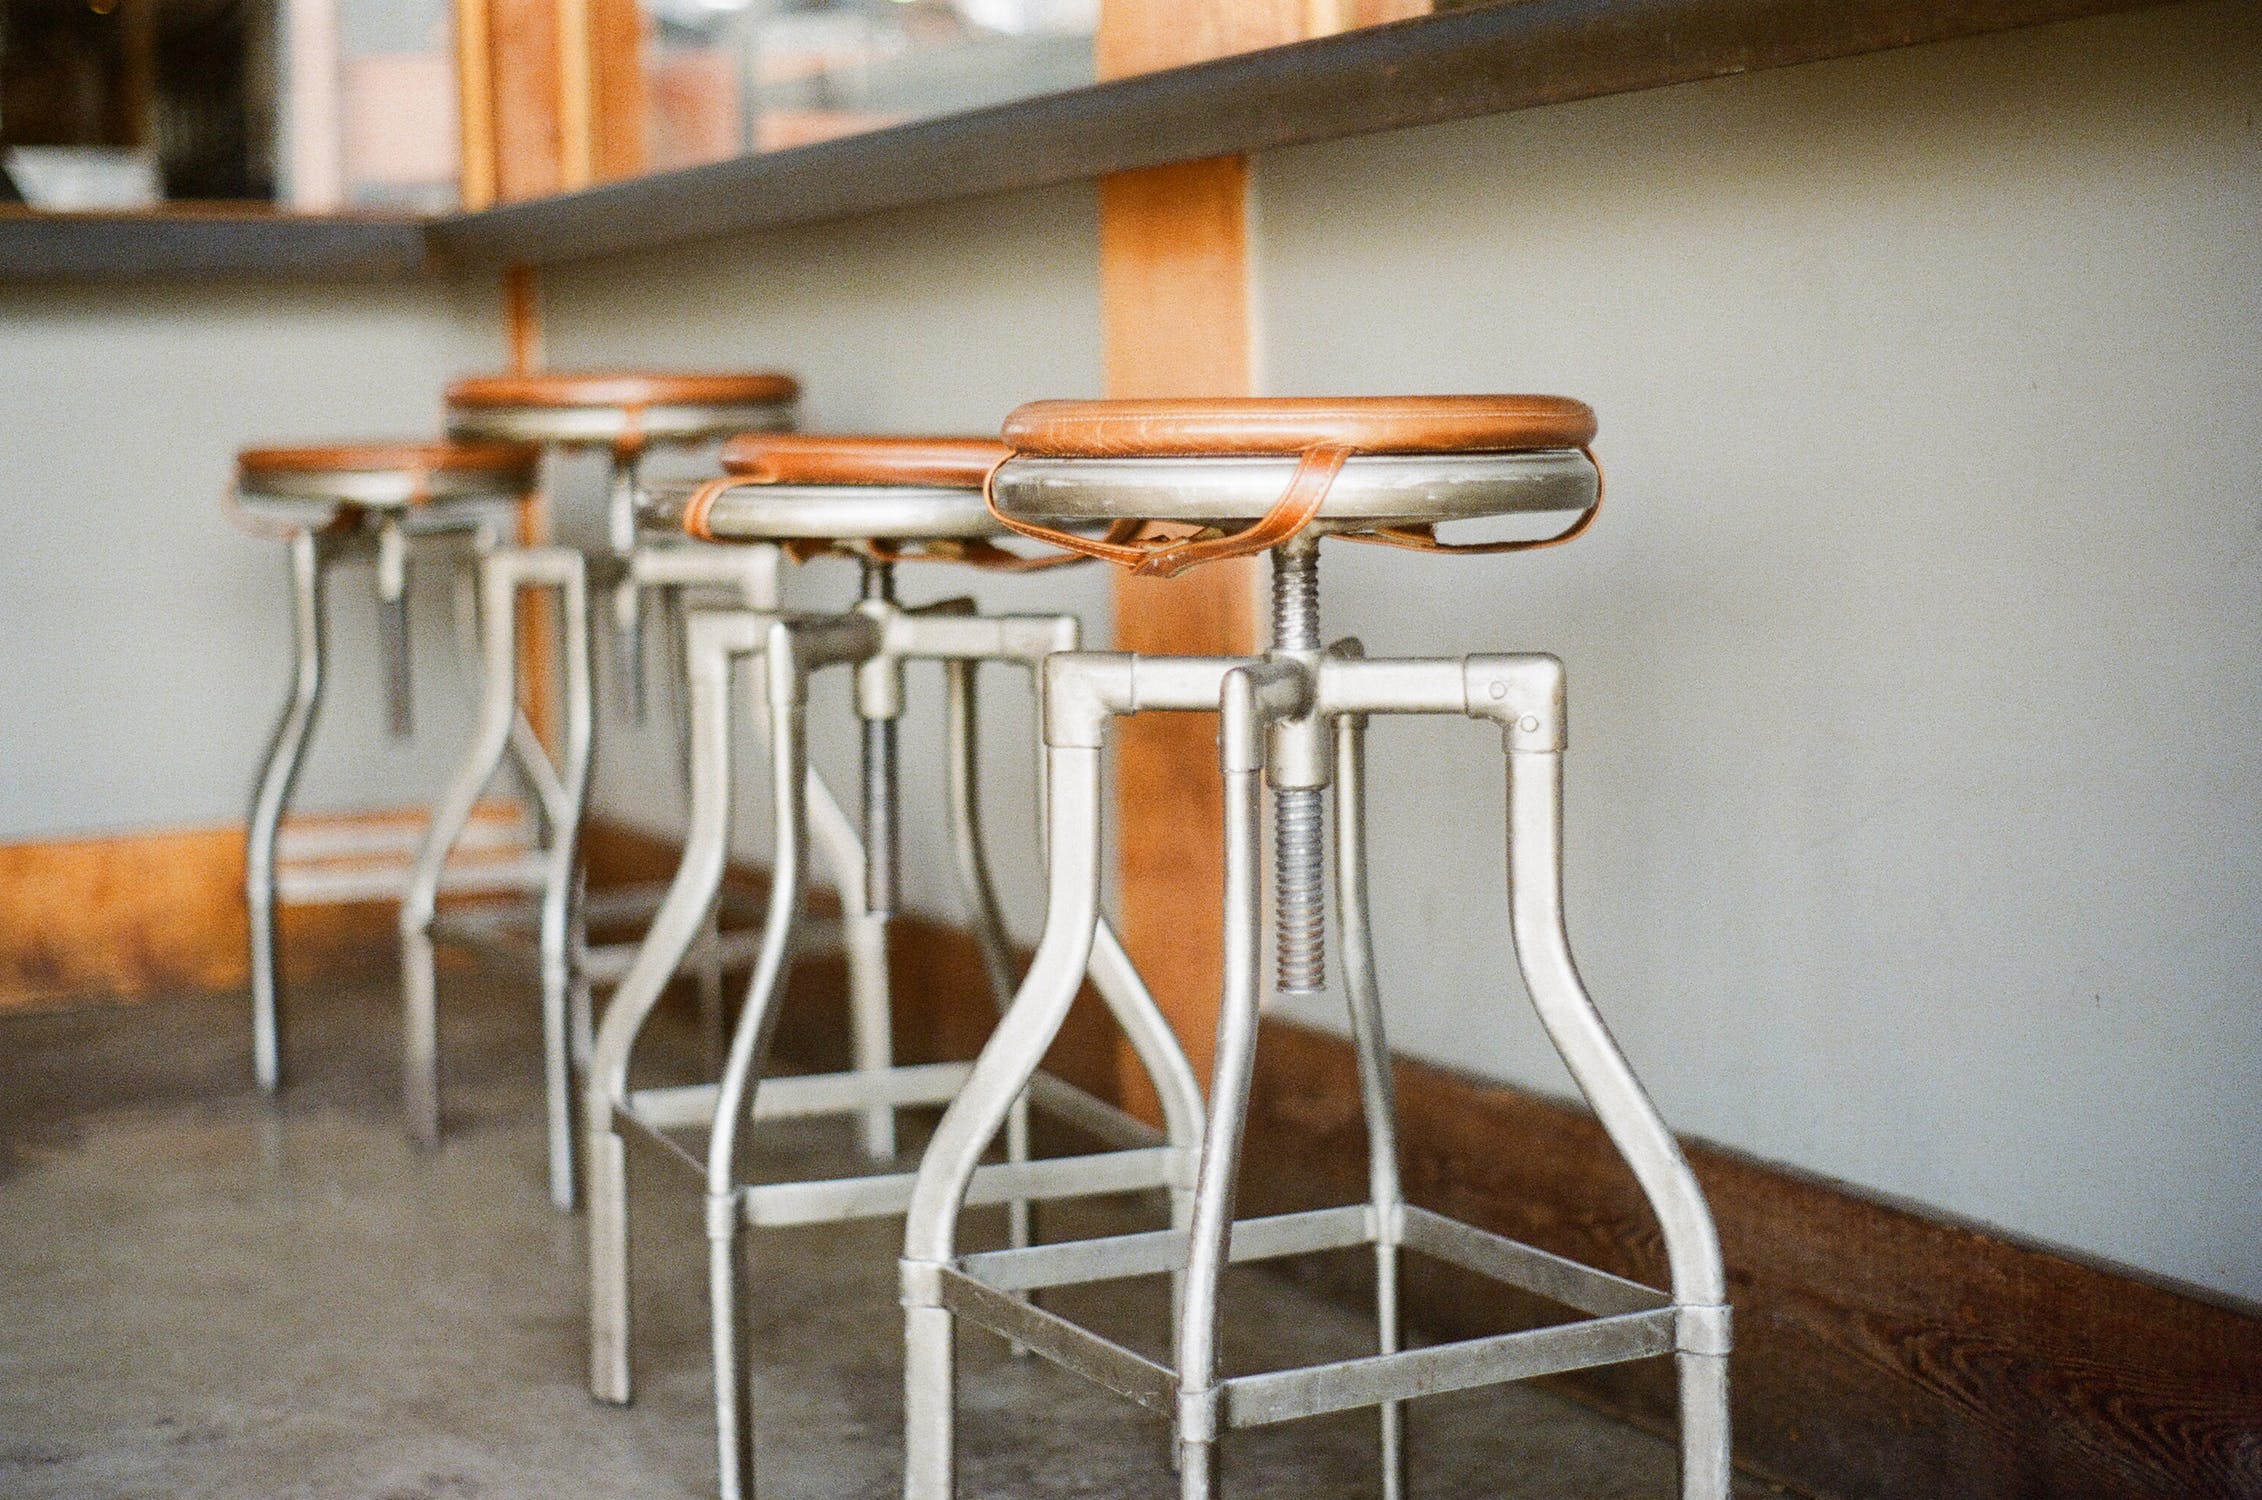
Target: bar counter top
1491,59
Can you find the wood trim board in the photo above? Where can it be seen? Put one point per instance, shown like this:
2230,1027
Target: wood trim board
134,916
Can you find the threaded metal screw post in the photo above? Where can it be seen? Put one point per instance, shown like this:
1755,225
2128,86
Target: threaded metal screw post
1298,826
879,778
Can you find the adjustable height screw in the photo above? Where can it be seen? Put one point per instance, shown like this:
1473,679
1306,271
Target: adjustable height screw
1299,831
879,777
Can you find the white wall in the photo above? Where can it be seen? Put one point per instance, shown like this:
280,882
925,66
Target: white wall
932,320
147,641
1915,820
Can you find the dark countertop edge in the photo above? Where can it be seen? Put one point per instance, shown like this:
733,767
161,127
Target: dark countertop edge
197,246
1490,60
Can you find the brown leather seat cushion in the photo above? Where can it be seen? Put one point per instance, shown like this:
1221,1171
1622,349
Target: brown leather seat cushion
413,458
818,458
624,388
1285,426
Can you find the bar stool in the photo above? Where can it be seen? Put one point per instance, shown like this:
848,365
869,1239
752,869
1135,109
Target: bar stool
627,414
882,501
1277,476
335,504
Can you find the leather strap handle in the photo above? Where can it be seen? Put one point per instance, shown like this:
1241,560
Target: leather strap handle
972,551
1316,469
1423,538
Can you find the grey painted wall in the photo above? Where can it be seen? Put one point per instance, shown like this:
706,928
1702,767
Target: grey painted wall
140,682
1915,819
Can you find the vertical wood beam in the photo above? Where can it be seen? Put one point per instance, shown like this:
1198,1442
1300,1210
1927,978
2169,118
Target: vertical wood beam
552,99
1175,315
537,621
552,95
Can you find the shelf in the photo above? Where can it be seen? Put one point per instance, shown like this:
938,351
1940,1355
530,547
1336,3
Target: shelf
1492,59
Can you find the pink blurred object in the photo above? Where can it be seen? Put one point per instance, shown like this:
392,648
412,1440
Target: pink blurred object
400,122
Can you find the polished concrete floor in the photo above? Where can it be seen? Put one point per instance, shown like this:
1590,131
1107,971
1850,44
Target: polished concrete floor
205,1295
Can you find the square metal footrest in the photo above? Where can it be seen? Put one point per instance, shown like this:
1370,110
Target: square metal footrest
1134,1162
1626,1321
323,861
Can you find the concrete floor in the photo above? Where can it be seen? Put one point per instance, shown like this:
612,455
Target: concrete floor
208,1296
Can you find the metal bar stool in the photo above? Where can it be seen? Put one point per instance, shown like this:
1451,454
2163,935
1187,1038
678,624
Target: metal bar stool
626,414
882,501
335,504
1376,470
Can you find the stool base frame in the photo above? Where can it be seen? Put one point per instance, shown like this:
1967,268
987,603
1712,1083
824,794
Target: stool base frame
560,792
316,551
567,966
876,639
1279,714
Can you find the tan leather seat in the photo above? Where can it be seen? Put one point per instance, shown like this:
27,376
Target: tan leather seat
624,388
1248,474
386,475
825,458
514,460
625,410
885,499
1287,426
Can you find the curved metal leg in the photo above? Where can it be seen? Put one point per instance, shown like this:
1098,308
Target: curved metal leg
726,1223
963,731
278,774
564,998
864,939
1692,1246
490,740
999,1077
1377,1095
1209,1237
673,928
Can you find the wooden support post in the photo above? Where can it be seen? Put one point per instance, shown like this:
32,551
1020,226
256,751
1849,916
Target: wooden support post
552,99
1174,293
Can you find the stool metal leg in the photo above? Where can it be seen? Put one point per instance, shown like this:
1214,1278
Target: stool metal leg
1000,1075
674,926
864,942
310,560
1252,696
963,730
1377,1094
565,1002
501,576
871,1016
1692,1246
726,1222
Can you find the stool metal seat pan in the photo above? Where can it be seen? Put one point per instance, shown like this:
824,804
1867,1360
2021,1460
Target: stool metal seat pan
574,409
841,487
413,477
1372,490
1284,426
826,513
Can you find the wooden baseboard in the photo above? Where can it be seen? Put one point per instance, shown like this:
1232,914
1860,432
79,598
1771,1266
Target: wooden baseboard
136,915
1881,1352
